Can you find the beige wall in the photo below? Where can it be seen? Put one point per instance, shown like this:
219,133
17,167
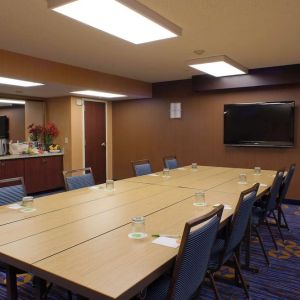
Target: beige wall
16,119
77,136
58,110
69,118
34,113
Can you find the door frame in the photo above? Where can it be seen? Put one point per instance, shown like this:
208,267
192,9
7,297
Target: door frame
106,131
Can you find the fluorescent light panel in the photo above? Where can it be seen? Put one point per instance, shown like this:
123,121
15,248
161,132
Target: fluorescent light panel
98,94
126,19
218,66
11,101
17,82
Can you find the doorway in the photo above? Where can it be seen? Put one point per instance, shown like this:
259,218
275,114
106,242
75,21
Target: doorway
95,139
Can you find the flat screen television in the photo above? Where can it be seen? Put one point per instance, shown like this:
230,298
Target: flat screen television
264,124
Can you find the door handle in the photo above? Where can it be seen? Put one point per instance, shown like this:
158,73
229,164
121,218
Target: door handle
103,144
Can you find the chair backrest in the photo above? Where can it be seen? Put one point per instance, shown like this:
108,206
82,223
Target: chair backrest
12,190
141,167
193,256
239,221
170,162
286,183
274,191
74,182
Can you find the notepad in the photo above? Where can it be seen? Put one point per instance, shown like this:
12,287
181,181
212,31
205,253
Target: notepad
153,174
181,169
96,187
15,206
165,241
263,185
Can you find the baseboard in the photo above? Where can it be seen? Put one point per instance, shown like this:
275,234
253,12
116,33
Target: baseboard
291,201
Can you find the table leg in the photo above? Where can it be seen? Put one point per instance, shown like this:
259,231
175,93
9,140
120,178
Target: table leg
11,282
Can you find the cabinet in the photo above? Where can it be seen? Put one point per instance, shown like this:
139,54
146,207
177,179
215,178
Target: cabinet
40,174
11,168
43,174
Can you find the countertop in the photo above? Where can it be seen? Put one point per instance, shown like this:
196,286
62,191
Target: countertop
19,156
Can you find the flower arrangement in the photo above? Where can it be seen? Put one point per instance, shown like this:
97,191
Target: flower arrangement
46,134
50,132
36,132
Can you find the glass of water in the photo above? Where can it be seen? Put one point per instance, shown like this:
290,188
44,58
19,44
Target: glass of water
199,198
27,201
138,225
194,166
257,170
109,185
166,172
242,178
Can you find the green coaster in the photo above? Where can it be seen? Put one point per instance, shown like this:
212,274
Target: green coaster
137,235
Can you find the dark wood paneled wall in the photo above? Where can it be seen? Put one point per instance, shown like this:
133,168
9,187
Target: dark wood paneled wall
142,129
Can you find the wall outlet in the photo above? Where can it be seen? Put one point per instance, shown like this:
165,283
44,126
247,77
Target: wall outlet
66,140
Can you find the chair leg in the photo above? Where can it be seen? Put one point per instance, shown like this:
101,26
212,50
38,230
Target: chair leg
70,295
284,219
278,226
213,283
238,269
273,239
262,245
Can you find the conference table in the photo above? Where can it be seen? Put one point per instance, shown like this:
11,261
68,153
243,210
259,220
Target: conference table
79,239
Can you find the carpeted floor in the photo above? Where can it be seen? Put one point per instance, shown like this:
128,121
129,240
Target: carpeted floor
278,282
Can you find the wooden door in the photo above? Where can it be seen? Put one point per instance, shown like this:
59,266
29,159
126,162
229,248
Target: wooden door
95,139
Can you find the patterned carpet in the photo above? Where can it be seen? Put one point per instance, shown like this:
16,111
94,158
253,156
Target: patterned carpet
280,281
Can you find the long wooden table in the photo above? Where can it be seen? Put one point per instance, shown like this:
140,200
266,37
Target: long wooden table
79,239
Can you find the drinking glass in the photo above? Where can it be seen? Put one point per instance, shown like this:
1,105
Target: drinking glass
166,172
109,185
194,166
199,198
242,178
138,225
257,170
27,201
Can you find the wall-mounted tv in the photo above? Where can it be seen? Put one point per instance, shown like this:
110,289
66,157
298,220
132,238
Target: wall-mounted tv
263,124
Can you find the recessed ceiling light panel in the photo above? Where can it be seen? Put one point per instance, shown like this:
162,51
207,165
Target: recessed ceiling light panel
126,19
98,94
218,66
11,101
17,82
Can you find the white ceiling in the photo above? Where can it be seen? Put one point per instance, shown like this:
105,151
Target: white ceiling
256,33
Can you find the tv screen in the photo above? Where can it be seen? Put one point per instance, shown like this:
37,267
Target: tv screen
265,124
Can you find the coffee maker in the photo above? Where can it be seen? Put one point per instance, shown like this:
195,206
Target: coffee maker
3,135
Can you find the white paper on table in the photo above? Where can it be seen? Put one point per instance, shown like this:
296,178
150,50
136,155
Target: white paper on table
227,206
181,168
263,185
166,241
153,174
15,206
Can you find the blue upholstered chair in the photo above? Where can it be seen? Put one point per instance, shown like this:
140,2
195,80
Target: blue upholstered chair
227,248
12,190
75,182
191,262
283,192
266,207
170,162
141,167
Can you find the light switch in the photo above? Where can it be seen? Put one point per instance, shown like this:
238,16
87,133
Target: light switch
66,140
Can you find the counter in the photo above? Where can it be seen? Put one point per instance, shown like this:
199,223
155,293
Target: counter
18,156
